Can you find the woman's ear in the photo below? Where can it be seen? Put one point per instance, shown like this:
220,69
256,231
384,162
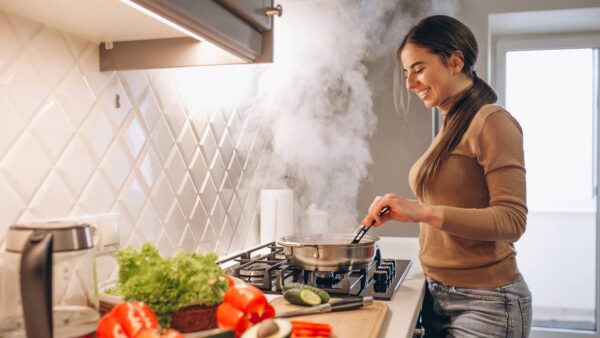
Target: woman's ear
456,62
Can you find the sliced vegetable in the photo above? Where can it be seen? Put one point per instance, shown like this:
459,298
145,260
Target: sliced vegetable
322,293
243,305
132,320
310,329
134,317
302,296
109,327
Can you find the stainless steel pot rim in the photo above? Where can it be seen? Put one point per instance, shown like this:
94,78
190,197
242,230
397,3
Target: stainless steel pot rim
326,239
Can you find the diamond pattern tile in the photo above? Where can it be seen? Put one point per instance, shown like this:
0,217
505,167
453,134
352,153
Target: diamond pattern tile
187,142
217,216
96,131
164,246
198,169
53,200
77,45
50,55
153,147
24,86
162,139
44,127
134,137
98,197
151,224
76,165
26,165
226,148
9,117
208,145
25,28
134,197
162,197
150,167
135,81
175,224
175,168
11,206
115,101
188,240
88,63
75,95
10,42
198,220
208,193
217,169
187,196
116,166
149,110
176,118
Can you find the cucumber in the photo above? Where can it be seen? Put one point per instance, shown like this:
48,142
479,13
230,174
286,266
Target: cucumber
302,297
322,293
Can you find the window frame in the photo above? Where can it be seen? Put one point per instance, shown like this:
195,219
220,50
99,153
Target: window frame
501,45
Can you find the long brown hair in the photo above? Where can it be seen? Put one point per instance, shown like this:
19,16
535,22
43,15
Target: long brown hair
444,35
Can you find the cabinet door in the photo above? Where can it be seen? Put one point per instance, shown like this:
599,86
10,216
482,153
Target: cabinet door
252,11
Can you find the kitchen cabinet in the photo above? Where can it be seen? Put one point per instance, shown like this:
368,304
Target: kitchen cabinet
234,31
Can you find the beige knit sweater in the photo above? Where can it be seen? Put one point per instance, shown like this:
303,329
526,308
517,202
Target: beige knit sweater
481,191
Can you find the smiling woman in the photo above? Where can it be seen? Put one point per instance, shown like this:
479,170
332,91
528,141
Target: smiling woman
470,188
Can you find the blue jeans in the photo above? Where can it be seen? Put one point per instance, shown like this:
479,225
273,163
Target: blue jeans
450,311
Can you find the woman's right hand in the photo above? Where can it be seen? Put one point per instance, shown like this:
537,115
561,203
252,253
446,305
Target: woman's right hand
402,210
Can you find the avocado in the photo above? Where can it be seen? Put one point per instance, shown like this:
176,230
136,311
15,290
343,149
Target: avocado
270,328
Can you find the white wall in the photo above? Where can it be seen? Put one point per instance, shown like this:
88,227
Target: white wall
171,162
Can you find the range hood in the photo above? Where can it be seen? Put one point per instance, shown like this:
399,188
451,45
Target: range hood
142,34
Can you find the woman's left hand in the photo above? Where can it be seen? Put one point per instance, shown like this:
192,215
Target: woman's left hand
402,210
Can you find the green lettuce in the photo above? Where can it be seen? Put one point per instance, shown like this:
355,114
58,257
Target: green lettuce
167,284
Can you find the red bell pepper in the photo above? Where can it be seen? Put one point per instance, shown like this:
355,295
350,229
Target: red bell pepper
132,320
243,306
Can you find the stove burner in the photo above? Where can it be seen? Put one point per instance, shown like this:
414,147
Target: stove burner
256,269
271,271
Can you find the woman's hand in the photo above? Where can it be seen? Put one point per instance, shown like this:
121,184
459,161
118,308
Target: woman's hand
402,210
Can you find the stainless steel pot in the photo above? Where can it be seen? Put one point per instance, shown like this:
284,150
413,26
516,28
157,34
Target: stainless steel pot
329,252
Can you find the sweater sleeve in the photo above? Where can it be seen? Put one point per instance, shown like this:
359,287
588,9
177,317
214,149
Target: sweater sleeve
499,151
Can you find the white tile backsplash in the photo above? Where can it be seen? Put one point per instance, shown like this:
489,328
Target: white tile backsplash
137,144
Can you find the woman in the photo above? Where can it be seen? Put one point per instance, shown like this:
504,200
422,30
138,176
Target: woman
470,186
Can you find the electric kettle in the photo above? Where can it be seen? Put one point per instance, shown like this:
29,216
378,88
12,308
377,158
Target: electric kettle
48,281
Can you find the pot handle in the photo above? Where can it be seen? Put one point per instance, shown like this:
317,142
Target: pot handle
36,284
316,255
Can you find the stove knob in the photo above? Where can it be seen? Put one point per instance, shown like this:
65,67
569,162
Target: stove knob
380,277
391,263
387,269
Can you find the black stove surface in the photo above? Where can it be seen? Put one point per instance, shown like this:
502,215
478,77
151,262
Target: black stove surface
271,271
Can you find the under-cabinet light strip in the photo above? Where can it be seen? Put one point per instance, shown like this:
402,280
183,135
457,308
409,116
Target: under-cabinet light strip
163,20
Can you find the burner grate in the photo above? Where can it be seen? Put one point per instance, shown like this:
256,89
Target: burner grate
270,271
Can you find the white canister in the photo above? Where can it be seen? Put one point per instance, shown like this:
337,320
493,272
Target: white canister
317,220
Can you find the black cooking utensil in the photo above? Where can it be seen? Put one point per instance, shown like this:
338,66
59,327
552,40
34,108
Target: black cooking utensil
362,230
341,305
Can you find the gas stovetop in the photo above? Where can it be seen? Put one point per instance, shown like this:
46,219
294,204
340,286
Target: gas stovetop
270,270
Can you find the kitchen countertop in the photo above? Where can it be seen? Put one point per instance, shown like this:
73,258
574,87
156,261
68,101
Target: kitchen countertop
404,307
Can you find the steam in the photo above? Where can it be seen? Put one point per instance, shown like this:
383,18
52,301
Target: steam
313,108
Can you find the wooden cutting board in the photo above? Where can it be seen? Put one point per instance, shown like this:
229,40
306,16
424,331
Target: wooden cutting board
364,322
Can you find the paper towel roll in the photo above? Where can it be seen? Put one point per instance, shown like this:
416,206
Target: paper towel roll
276,214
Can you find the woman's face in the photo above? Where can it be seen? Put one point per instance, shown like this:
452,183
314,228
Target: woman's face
428,76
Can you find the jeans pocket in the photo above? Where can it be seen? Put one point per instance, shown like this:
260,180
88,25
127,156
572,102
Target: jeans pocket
493,295
525,307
